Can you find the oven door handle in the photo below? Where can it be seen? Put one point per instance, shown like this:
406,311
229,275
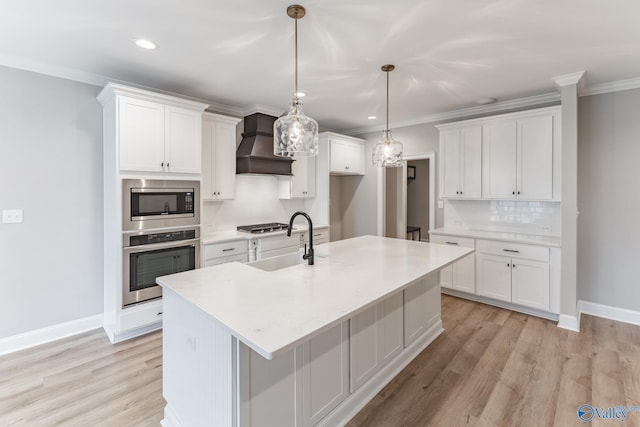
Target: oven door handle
163,245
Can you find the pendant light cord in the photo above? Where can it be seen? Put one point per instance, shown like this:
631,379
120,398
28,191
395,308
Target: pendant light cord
387,127
295,94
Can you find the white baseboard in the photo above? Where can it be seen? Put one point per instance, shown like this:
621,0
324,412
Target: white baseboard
609,312
48,334
572,323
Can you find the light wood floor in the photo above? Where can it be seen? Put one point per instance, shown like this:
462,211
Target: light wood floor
491,367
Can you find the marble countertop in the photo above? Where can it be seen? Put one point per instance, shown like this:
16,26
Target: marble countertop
230,235
531,239
272,312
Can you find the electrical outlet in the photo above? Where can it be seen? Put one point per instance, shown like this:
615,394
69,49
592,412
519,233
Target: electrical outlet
12,216
546,228
191,342
440,204
457,222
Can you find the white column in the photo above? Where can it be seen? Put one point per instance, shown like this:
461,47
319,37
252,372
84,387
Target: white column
568,86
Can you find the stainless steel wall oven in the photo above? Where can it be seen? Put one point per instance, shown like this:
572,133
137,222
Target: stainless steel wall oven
149,255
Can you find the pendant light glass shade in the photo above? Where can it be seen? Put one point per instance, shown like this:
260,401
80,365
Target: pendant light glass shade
295,134
387,152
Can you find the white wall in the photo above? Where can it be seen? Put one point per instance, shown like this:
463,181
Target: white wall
609,199
256,202
50,166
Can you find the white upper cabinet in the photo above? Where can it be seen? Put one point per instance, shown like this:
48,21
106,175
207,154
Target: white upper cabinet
346,154
218,157
152,132
302,182
511,156
461,163
518,158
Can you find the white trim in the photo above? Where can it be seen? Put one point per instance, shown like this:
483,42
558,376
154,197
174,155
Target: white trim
608,312
431,156
572,323
264,109
530,101
612,87
570,79
50,333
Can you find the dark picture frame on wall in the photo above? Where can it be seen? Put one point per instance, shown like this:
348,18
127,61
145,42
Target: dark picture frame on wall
411,172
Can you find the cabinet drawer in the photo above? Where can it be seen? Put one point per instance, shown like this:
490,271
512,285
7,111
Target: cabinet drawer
223,260
513,250
225,249
319,236
279,242
453,240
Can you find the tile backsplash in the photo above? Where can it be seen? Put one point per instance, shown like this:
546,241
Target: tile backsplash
512,216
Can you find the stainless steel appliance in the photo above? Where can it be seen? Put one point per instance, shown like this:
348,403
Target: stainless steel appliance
151,203
149,255
263,228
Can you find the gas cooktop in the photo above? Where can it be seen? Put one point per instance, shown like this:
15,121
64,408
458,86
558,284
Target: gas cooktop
263,228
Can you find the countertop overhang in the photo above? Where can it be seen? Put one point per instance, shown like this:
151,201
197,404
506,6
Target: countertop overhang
272,312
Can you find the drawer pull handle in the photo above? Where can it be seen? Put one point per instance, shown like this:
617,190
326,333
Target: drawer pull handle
316,235
229,249
452,243
159,313
511,250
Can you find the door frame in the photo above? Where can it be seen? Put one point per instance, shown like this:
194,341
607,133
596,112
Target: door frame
382,196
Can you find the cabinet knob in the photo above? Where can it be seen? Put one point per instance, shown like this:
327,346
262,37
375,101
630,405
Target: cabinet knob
518,192
167,164
508,265
513,266
513,192
162,164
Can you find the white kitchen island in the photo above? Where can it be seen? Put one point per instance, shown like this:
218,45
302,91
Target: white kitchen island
302,345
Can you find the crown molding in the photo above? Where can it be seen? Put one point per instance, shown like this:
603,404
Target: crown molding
264,109
571,79
464,112
612,87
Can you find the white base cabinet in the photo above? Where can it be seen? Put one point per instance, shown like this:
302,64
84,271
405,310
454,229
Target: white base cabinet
220,253
212,379
461,275
514,272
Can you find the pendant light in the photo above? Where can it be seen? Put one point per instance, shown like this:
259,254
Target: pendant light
295,135
387,152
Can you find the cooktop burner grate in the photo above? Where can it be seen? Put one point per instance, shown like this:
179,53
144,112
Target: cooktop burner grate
263,228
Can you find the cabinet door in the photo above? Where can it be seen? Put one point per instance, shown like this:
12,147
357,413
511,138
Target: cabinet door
494,276
499,160
446,277
363,347
325,373
338,156
355,158
530,283
471,162
183,140
224,161
450,164
464,274
303,182
207,188
141,135
535,158
390,328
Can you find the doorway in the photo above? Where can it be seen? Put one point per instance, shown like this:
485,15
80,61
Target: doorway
406,198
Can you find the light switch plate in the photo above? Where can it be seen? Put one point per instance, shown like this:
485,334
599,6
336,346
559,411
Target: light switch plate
12,216
440,204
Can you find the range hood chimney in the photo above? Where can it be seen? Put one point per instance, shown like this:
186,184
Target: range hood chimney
255,152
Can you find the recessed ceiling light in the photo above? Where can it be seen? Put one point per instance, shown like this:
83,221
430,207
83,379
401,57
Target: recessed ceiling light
485,101
371,117
301,94
146,44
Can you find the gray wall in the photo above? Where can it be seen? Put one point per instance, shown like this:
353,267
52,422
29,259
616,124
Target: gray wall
609,199
50,166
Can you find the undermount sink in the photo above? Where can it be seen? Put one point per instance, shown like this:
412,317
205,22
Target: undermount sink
278,262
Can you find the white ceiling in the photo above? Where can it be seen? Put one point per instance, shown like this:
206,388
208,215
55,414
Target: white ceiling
448,53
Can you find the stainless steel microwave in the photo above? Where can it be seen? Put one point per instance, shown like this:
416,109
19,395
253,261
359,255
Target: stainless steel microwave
151,204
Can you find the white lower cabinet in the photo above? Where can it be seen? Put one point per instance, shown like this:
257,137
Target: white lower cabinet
297,388
221,253
268,247
461,275
514,272
421,307
375,337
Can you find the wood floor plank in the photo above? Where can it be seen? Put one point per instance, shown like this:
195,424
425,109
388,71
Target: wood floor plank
490,368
